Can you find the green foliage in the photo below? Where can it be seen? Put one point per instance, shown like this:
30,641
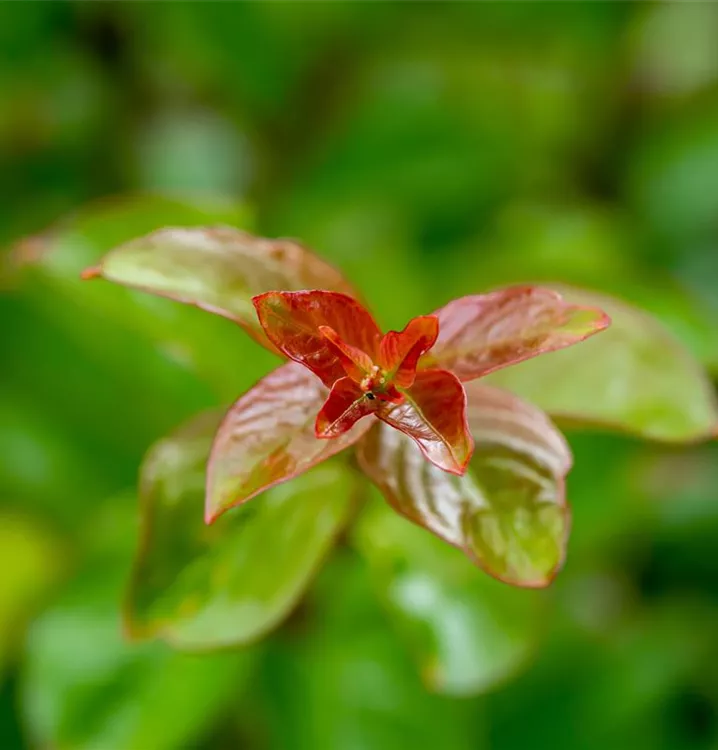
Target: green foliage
428,153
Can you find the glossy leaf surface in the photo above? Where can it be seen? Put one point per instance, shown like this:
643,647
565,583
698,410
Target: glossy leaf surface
268,436
218,269
466,631
433,414
345,405
634,377
508,513
399,351
200,587
292,321
486,332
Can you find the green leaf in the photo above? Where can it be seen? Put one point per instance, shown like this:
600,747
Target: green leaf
508,512
31,561
467,632
85,687
202,587
268,436
218,269
347,683
634,377
207,346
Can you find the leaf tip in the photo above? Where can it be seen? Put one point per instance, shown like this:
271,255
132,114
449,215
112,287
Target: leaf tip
93,272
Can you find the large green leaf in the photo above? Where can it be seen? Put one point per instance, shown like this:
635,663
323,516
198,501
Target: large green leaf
202,587
346,683
218,269
635,377
206,345
466,631
85,687
508,512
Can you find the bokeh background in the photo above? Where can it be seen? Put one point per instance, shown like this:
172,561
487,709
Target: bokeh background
429,150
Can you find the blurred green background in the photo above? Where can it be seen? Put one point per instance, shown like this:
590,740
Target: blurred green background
429,151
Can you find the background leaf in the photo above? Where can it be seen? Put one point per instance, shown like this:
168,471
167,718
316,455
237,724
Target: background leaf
635,376
467,632
203,587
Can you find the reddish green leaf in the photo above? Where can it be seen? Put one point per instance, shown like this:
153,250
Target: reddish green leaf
508,513
267,437
634,377
200,587
218,269
434,416
485,332
345,405
399,352
292,321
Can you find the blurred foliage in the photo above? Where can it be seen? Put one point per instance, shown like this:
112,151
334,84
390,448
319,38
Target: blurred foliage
429,152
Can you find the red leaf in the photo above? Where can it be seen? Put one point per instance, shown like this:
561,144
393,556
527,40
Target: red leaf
399,352
267,437
434,415
291,321
356,363
346,404
483,333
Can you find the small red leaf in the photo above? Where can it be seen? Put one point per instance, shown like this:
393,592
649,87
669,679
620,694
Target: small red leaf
356,363
485,332
434,415
399,351
346,404
292,320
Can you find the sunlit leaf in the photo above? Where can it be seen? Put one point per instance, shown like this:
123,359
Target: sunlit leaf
268,436
292,321
466,631
634,377
434,416
202,587
486,332
508,513
85,687
218,269
349,684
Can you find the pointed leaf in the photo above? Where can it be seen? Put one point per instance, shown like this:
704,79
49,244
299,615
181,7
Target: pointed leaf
356,363
434,415
292,321
635,377
345,405
204,588
399,352
508,513
466,631
267,437
218,269
485,332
